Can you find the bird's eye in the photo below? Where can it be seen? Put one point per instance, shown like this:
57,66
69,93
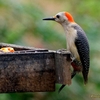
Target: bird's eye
58,16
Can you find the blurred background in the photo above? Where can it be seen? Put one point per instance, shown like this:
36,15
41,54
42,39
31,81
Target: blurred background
21,23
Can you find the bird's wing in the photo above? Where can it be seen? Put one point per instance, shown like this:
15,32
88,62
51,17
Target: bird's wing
82,46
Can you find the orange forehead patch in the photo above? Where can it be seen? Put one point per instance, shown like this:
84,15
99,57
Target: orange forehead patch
69,16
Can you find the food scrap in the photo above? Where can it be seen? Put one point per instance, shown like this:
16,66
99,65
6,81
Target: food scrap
7,49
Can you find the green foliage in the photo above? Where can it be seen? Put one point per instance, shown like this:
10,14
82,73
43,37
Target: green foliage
19,18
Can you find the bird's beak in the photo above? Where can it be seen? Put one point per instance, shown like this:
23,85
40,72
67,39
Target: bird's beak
50,18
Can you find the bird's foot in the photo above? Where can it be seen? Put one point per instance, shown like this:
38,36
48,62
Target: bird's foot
63,51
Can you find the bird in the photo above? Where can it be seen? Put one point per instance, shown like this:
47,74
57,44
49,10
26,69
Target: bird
77,44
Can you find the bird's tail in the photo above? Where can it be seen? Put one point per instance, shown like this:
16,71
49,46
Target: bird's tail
85,76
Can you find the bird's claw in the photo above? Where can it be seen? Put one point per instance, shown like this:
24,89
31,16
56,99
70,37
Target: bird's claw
63,51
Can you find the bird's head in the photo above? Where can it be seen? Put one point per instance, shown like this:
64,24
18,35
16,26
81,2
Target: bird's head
61,17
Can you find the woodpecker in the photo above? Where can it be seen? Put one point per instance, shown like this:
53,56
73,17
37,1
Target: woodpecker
77,44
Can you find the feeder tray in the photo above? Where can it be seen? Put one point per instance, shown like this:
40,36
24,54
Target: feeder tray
29,69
